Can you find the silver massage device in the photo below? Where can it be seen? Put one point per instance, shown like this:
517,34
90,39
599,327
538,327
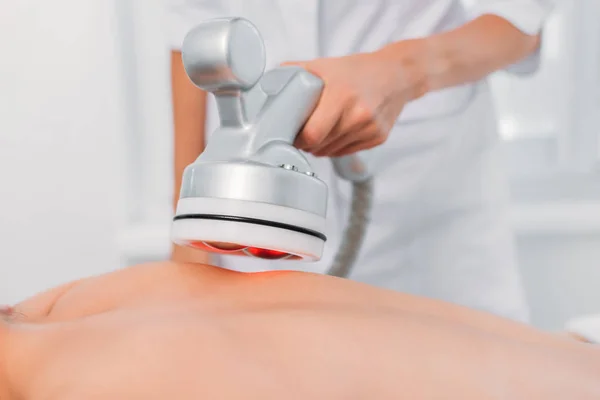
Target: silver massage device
251,192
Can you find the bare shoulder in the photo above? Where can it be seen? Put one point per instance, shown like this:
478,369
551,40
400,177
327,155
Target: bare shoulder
120,288
96,293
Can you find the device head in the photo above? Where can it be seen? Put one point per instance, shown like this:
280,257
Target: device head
251,192
251,209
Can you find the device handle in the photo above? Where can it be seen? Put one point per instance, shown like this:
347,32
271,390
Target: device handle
292,95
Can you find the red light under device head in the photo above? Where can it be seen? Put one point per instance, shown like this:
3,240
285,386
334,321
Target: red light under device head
244,228
240,250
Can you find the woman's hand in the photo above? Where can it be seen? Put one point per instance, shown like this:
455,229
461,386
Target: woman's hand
365,93
363,96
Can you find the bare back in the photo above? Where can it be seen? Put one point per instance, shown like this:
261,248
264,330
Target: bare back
187,332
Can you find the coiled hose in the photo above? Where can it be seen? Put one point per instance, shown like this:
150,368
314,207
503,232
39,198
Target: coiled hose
358,221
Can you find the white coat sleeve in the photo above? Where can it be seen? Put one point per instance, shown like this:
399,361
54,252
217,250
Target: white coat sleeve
529,16
183,15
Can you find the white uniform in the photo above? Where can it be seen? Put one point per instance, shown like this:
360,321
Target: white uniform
439,226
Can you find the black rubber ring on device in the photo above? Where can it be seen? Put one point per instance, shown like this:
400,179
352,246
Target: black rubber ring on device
256,221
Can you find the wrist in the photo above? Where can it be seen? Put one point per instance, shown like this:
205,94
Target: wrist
424,63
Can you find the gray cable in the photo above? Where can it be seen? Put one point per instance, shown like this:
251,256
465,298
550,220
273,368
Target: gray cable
358,221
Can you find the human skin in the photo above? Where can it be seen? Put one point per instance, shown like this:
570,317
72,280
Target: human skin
186,331
358,114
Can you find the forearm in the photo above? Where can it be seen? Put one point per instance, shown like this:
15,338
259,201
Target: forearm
189,117
463,55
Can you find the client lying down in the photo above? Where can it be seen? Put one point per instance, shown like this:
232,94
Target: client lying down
185,331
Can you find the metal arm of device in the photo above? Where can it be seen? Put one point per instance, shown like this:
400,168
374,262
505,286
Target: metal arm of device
260,117
227,58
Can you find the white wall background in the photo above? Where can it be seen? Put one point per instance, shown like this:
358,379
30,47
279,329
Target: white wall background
85,135
562,276
61,125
